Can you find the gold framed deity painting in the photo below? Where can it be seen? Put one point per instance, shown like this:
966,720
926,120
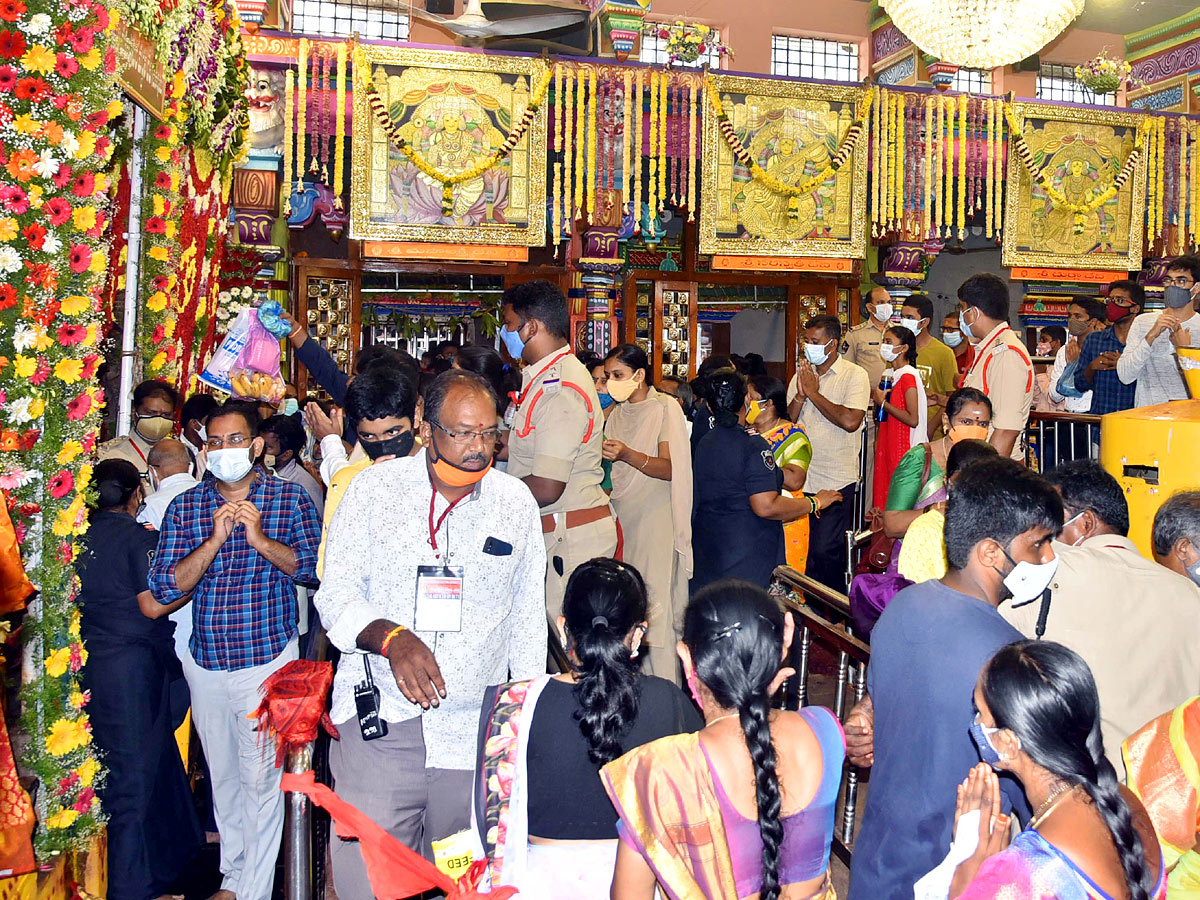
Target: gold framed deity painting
785,169
1076,188
448,146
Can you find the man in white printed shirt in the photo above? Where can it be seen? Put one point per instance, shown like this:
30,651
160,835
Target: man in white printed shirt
434,583
1149,358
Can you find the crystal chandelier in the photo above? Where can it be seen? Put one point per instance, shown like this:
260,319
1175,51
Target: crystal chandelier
982,34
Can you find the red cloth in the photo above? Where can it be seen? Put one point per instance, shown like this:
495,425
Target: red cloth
395,871
14,585
895,439
293,704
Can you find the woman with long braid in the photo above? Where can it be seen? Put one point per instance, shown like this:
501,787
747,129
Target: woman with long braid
745,808
1089,838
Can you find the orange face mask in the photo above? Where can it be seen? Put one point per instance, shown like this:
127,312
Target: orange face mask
967,433
452,475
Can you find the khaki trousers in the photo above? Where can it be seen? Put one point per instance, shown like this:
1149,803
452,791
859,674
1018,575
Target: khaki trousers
568,548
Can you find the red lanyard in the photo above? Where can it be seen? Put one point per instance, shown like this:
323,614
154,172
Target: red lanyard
979,352
133,444
521,398
434,529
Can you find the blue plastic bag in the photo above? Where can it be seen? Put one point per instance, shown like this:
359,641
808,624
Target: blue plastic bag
268,315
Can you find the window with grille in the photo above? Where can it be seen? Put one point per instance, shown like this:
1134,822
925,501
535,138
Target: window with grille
654,49
1055,82
808,57
341,18
973,81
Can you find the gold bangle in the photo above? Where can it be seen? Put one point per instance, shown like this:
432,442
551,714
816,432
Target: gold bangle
387,639
642,467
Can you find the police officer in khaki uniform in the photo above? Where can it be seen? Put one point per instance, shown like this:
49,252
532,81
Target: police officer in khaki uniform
1002,368
154,404
556,434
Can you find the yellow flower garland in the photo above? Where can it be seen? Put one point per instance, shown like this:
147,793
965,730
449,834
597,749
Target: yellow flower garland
626,126
876,160
339,148
962,167
794,192
638,111
580,188
556,204
652,188
948,176
926,200
569,154
591,146
939,164
1193,221
691,150
664,84
990,183
998,163
899,139
301,113
289,136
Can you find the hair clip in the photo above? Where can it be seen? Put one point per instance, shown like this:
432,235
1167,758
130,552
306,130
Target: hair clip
599,620
727,631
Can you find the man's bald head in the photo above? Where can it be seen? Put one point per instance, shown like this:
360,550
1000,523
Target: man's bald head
169,457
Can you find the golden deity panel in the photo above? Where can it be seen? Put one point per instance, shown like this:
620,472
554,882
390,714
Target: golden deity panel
792,131
453,109
1081,151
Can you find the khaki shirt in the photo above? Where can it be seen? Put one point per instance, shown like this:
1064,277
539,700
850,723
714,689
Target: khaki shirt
1002,370
861,347
549,427
127,447
836,452
1134,622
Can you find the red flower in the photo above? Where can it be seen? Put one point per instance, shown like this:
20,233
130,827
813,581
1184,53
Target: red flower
61,484
97,230
41,274
35,234
8,296
26,88
42,372
89,366
98,120
15,199
162,180
89,440
12,44
159,334
11,10
162,132
30,438
82,40
65,784
83,804
101,16
156,225
65,64
78,409
63,176
58,210
102,143
69,335
65,556
8,78
64,31
161,282
84,185
80,258
110,61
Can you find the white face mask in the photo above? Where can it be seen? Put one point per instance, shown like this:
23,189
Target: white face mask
889,352
913,325
230,464
883,311
817,354
952,338
1027,580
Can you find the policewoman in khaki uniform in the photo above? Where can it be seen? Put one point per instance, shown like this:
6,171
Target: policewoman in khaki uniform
556,434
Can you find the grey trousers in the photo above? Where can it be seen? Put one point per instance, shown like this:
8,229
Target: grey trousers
387,779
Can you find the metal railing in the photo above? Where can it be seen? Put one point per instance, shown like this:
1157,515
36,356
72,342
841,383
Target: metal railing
1054,438
817,611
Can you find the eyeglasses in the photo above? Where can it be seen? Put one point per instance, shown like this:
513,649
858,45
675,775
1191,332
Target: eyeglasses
466,438
234,440
1181,281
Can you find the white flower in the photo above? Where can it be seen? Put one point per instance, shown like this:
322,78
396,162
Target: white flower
18,411
223,297
51,243
69,144
247,292
10,260
24,337
38,24
46,165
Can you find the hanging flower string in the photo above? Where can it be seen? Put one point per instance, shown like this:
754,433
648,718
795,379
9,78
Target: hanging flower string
794,192
1057,198
448,182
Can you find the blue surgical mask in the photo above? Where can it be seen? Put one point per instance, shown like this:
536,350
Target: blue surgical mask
952,338
964,327
816,354
606,400
982,736
512,341
290,407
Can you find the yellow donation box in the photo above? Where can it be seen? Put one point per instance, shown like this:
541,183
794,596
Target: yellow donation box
1154,452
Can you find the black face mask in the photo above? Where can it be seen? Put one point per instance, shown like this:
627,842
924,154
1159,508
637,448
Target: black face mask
400,445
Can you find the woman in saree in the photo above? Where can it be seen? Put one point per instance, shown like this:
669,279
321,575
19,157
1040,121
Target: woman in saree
543,742
153,831
919,480
646,441
745,808
766,413
1038,717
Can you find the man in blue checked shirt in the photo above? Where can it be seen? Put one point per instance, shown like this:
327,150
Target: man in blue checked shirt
237,542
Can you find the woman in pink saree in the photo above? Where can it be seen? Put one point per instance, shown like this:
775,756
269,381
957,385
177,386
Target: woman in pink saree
745,808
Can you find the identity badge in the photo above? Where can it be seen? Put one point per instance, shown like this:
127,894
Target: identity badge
439,598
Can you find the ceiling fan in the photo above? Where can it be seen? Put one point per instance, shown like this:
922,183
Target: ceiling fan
475,27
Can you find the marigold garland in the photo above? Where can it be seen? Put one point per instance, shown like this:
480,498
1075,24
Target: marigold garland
569,152
652,180
948,174
339,142
1057,198
926,200
301,112
592,120
626,142
1194,214
448,182
580,145
556,205
664,84
990,184
898,160
794,192
692,150
963,142
876,160
289,136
